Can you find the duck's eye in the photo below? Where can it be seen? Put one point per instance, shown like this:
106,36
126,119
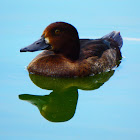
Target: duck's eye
57,31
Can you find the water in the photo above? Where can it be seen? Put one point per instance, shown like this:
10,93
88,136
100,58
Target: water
108,112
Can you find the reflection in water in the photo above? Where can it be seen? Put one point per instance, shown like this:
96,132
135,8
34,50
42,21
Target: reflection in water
60,105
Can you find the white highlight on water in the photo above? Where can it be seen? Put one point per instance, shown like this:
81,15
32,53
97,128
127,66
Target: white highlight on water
131,39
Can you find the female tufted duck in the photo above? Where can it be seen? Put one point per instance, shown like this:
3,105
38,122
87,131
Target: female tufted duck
65,55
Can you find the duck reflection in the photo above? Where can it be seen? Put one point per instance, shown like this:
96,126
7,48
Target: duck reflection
60,104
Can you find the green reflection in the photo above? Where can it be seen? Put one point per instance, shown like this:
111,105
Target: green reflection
60,104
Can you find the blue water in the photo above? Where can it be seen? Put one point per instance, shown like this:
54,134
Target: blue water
110,112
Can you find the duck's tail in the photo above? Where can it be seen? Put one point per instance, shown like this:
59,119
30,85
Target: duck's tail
116,36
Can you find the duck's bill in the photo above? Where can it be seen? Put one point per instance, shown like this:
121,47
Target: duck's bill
36,46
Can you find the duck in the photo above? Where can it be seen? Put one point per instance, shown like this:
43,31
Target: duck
65,55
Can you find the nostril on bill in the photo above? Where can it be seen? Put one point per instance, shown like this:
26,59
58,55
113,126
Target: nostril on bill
37,42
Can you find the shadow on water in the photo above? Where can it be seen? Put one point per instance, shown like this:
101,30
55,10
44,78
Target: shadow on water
60,104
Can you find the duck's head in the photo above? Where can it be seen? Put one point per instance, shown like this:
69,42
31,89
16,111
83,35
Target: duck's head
61,38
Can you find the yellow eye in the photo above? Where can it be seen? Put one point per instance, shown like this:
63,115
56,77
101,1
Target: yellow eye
57,31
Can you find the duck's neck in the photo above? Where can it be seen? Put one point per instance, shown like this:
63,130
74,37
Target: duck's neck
70,51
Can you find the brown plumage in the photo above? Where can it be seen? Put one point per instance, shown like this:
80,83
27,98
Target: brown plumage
69,56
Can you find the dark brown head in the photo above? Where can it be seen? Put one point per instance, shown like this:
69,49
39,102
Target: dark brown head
59,37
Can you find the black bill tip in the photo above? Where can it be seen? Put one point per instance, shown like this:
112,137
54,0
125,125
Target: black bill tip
23,50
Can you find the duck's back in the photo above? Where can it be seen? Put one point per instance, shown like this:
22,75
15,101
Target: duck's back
91,48
96,47
101,54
